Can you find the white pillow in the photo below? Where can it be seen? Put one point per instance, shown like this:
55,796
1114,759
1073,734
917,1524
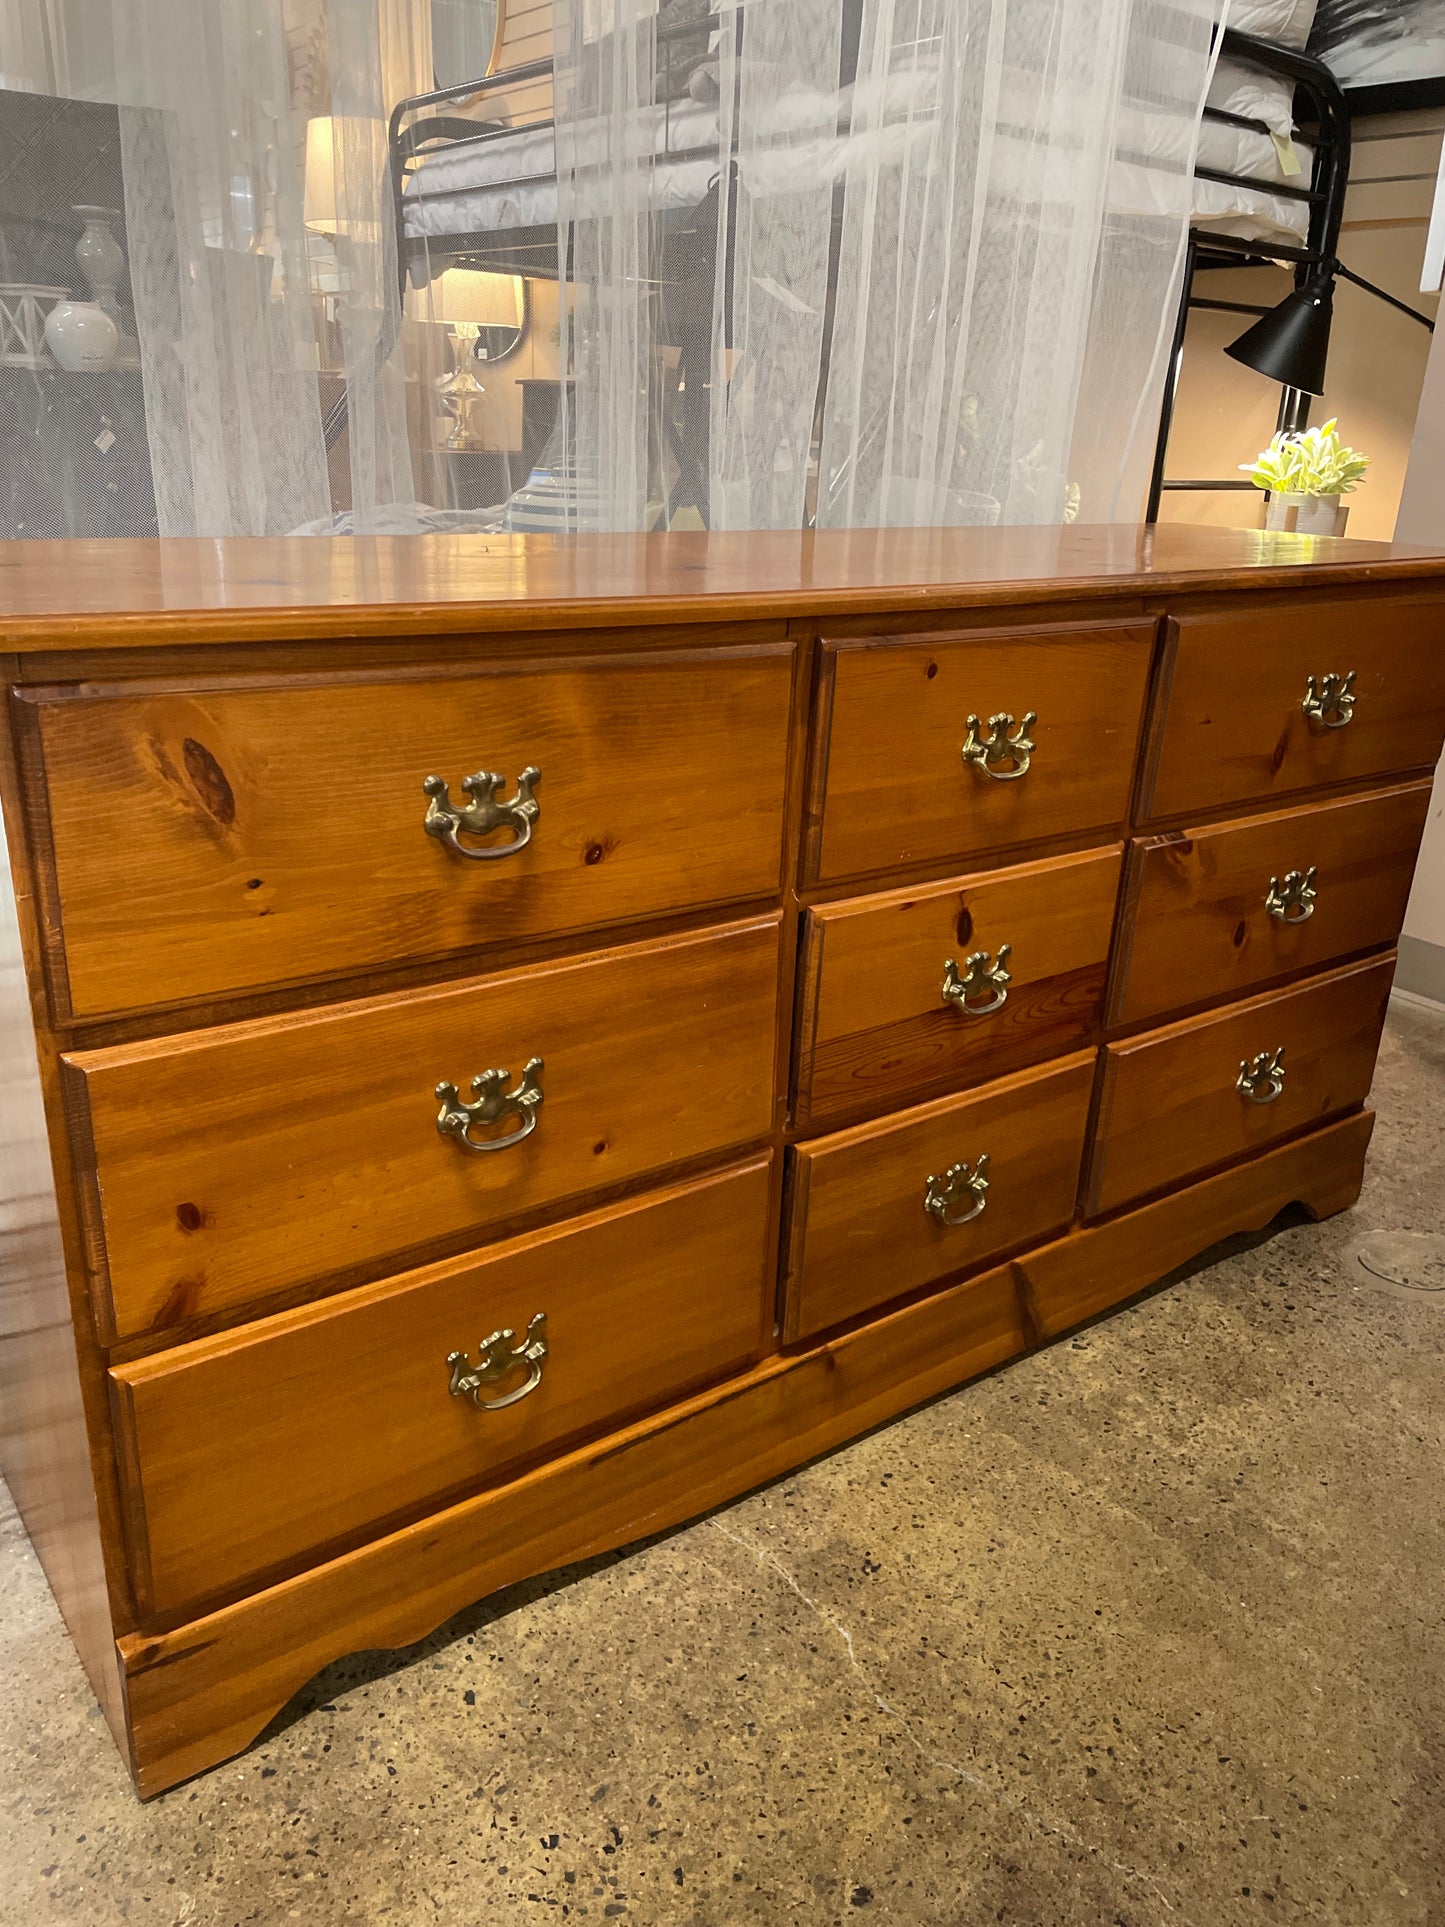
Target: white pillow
1239,89
1286,22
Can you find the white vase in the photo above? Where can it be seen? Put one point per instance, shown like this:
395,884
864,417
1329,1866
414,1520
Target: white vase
100,257
1305,514
81,336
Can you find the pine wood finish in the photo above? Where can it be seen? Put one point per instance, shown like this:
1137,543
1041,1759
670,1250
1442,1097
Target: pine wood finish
1169,1101
859,1233
299,1433
1198,923
242,1161
274,835
876,1030
237,1249
891,787
1233,729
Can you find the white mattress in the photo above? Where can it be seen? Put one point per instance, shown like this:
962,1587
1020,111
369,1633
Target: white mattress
510,183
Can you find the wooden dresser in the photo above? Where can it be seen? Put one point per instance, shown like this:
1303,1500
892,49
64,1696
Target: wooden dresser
532,1039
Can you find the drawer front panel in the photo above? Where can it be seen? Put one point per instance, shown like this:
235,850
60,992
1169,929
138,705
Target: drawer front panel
277,835
250,1451
1214,912
248,1160
861,1228
1235,729
879,1031
895,785
1171,1102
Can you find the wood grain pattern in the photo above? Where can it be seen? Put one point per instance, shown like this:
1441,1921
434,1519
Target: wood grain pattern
202,1692
1234,731
897,790
878,1032
239,1161
1198,927
307,1430
274,835
1168,1104
113,594
860,1235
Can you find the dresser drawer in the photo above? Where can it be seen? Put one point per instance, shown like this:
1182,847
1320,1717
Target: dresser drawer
1211,913
1234,726
276,835
1023,952
891,782
247,1452
236,1163
1173,1102
885,1208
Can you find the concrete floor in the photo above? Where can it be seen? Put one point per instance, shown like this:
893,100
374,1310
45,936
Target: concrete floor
1145,1629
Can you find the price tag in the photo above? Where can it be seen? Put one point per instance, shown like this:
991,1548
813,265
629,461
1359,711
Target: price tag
1284,148
105,441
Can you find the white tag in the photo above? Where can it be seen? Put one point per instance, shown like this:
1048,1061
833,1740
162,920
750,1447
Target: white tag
105,441
783,296
1285,150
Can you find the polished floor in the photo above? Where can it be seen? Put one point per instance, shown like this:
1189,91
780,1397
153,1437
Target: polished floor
1148,1628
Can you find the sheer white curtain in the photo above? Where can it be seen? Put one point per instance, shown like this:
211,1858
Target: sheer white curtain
248,320
998,192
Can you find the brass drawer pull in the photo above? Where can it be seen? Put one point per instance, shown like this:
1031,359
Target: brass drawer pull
456,1119
979,975
958,1182
990,753
1292,901
496,1362
446,820
1261,1079
1330,700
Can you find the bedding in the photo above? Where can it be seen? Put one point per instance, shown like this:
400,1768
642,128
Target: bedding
509,184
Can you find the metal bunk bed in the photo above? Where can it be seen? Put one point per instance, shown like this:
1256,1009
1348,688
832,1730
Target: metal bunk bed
425,127
1322,120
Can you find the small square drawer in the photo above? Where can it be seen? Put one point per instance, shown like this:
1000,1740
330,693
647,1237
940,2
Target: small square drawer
245,1453
915,992
1213,913
250,1160
942,746
883,1209
1198,1094
217,840
1262,706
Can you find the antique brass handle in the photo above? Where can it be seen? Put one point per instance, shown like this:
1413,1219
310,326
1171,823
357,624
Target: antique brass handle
1261,1079
497,1361
958,1182
456,1119
992,752
1329,697
445,820
979,975
1292,901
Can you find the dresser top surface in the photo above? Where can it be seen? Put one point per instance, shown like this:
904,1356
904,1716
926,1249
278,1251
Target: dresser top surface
127,593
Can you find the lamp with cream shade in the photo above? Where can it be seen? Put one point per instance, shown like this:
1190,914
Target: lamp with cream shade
484,315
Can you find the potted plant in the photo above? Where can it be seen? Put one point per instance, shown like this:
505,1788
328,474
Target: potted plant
1305,475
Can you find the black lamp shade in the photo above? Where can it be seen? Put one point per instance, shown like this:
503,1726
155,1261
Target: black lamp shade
1291,342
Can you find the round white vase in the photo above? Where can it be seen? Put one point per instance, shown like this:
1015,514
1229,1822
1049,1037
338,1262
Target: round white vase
81,336
99,256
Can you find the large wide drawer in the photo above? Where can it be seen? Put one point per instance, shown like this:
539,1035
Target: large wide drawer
914,992
1212,913
237,1163
892,784
216,840
1182,1100
1256,705
882,1209
247,1452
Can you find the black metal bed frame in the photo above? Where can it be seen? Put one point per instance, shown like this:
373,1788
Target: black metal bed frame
1328,131
534,252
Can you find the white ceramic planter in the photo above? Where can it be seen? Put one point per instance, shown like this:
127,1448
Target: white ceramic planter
1305,514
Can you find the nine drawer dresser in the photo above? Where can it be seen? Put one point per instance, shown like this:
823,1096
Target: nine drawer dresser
509,1043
